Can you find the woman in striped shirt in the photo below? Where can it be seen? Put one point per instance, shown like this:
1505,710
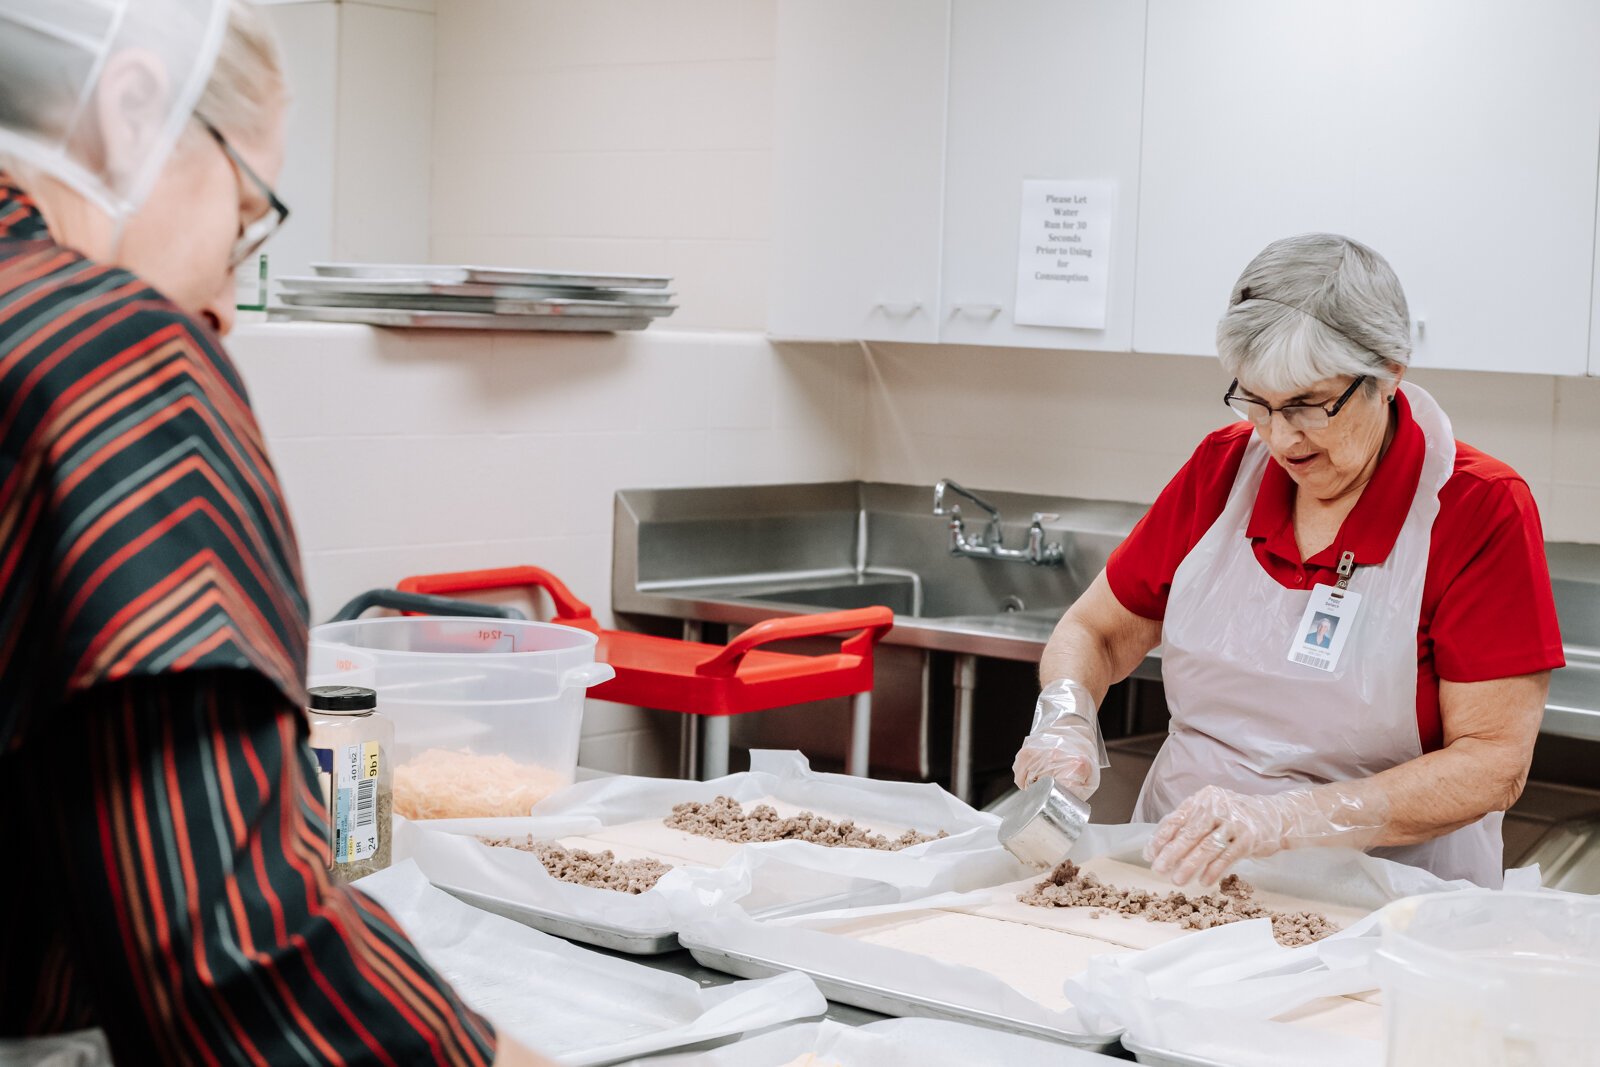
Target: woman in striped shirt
166,883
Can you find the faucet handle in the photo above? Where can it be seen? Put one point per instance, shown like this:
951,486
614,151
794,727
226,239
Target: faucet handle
1042,517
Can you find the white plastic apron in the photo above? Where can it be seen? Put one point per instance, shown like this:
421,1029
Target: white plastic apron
1246,719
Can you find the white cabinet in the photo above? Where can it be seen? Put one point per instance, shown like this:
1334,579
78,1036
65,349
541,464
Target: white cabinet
859,158
1457,137
1038,89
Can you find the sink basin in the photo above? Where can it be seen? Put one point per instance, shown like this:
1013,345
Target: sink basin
902,594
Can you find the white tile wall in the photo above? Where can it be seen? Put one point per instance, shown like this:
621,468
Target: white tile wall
404,453
618,135
1573,510
359,132
1118,426
382,197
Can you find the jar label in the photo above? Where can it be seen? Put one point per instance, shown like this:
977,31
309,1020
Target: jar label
354,811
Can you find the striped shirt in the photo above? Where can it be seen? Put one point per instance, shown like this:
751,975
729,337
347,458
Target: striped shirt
165,837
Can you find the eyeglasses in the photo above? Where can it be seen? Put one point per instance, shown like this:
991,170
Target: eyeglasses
254,234
1300,416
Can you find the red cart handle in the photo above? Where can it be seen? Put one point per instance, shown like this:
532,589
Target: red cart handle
872,624
569,609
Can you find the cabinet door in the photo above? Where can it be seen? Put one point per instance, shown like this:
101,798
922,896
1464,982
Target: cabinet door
859,157
1457,137
1038,89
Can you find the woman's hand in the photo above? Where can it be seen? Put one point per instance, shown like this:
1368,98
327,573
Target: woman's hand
1216,828
1065,742
1097,643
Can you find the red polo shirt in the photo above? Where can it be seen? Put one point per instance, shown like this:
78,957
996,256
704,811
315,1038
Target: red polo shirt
1487,609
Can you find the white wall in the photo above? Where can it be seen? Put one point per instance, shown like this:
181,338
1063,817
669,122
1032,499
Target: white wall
404,453
1118,426
611,135
356,177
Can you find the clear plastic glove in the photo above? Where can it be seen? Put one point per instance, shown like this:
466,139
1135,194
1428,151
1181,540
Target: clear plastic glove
1065,742
1216,828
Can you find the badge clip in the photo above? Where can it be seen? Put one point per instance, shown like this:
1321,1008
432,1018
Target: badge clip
1347,567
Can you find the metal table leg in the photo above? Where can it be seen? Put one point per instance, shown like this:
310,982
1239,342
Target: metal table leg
966,681
689,729
689,748
716,746
860,734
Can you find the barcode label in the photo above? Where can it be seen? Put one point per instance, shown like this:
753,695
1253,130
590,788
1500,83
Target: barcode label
355,814
1319,662
366,802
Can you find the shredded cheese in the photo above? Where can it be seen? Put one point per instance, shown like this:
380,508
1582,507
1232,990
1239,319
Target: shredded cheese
441,784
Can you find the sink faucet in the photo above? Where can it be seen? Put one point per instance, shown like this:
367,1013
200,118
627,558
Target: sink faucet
988,545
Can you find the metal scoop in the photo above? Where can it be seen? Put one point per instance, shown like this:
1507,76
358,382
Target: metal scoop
1042,824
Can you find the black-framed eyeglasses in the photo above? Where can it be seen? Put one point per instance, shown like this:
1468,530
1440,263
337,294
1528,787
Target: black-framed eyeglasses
1300,416
254,234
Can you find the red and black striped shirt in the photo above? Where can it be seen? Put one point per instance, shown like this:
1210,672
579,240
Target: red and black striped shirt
164,837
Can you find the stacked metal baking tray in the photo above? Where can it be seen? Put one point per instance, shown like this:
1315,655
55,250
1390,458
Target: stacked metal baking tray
474,298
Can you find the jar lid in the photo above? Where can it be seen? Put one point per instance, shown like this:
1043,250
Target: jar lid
343,698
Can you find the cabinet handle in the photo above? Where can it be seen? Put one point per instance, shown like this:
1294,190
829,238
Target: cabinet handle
987,311
905,308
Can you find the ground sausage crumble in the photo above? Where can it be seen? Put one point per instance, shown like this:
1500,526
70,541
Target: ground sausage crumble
598,870
1069,886
725,818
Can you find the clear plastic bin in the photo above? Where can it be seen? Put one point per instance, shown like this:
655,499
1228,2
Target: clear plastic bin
1490,979
487,712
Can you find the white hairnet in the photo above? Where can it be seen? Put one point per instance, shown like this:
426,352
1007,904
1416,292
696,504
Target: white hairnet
58,58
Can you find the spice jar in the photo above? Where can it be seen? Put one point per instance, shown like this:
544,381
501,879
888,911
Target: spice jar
351,741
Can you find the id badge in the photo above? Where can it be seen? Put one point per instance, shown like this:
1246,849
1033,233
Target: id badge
1325,627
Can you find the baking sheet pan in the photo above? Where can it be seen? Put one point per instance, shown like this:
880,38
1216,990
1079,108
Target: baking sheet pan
587,931
419,287
1165,1057
888,1001
480,306
611,813
1210,965
580,1006
491,275
885,1043
457,320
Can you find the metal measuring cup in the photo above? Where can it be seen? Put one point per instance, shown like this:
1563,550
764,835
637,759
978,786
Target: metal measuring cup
1042,824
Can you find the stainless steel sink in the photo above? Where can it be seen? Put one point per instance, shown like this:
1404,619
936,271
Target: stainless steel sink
736,556
742,554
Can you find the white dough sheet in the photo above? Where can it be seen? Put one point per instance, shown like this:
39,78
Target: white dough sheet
890,1043
575,1005
1060,971
625,816
1233,995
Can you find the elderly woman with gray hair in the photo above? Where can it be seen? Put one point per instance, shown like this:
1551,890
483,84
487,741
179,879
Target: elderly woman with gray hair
1340,503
